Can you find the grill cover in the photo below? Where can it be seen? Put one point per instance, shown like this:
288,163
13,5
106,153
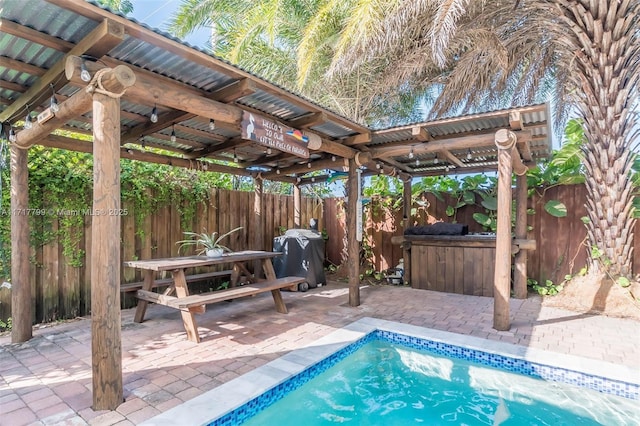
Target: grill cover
303,255
439,228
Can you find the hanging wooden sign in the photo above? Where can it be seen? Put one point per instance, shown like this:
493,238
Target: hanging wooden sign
272,134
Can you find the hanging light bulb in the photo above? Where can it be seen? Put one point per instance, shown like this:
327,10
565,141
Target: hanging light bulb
27,122
417,161
446,169
53,102
173,133
278,171
269,151
154,114
333,158
235,157
212,124
12,135
84,73
309,165
378,166
313,179
411,153
469,156
436,161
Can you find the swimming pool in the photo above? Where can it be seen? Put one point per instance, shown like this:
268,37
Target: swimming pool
471,359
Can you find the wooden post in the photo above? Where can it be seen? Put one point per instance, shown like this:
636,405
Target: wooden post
406,222
520,261
106,344
353,245
21,308
297,203
258,218
505,140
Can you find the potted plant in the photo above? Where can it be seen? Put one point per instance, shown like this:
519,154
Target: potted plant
208,244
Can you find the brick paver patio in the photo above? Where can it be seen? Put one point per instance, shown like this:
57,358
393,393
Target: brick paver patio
47,381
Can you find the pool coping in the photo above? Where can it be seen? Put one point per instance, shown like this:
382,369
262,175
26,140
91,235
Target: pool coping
205,408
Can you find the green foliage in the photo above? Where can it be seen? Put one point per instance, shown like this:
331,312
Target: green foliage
555,208
548,289
6,326
206,241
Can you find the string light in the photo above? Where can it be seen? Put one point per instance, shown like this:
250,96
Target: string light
278,171
417,161
173,133
12,135
27,120
212,124
309,165
313,179
53,102
235,157
84,73
411,153
436,161
469,156
269,151
154,114
333,158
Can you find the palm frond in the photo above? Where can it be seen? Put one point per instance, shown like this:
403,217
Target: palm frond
444,27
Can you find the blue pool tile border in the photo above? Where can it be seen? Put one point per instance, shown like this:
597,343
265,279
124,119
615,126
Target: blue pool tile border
511,364
515,365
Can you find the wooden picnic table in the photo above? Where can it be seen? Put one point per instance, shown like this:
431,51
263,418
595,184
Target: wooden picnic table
191,304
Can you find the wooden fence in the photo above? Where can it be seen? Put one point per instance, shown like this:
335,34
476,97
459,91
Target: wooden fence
561,242
63,291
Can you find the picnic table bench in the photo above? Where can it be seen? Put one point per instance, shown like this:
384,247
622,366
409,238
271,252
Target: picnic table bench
187,304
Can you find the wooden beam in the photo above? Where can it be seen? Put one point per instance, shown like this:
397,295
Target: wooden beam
502,273
234,91
147,89
61,142
420,133
338,149
115,80
309,120
297,202
515,120
520,231
20,66
353,245
524,149
21,306
359,139
220,147
304,168
148,128
106,340
35,36
97,43
452,158
452,143
13,86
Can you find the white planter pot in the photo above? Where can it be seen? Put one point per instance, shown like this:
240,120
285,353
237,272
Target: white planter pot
215,252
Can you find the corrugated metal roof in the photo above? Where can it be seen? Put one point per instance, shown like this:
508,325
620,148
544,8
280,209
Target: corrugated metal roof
69,27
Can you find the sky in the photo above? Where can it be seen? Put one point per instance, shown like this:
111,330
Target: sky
157,13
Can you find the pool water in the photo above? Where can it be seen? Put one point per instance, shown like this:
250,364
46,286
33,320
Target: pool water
386,383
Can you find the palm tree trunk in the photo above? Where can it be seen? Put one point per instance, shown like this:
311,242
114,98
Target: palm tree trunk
606,57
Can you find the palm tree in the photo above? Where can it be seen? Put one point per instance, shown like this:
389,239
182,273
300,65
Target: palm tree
584,52
122,6
363,58
291,43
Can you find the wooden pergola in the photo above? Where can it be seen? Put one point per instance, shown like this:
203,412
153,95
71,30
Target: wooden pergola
133,88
